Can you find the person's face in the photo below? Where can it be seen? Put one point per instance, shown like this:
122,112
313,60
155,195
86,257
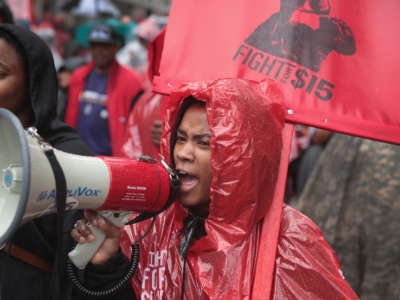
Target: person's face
192,155
13,81
63,79
103,54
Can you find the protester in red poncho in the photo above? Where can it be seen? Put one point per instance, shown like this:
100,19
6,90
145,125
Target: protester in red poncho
228,145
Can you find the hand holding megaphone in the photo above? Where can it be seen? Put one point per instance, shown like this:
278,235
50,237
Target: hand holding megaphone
83,234
94,232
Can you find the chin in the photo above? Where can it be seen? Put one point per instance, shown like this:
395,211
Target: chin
196,205
187,202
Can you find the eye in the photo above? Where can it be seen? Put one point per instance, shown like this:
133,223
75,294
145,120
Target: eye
205,143
180,139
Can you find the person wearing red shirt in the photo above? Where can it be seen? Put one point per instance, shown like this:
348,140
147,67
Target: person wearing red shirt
102,94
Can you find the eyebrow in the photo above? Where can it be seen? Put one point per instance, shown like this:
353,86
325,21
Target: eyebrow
196,136
202,135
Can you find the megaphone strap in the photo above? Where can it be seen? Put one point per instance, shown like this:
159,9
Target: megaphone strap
27,257
57,283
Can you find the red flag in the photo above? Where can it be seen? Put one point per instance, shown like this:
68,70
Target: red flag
336,61
154,51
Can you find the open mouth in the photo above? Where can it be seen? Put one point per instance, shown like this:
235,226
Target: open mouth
188,182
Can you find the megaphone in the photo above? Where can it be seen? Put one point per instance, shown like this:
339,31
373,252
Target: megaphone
27,187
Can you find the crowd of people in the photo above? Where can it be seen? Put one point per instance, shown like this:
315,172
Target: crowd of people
225,139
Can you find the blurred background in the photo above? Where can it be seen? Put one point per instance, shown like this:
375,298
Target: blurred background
64,24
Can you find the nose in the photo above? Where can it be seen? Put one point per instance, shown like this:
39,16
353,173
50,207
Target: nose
185,152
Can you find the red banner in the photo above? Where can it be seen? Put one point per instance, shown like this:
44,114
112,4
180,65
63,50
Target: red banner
336,61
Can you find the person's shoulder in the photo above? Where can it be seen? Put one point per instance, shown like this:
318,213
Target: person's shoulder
128,81
82,71
65,138
305,263
73,145
293,222
299,232
127,72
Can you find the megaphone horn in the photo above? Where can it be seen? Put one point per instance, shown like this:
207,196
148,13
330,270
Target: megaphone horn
27,188
15,169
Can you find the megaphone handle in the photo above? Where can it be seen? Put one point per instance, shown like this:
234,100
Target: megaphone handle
83,253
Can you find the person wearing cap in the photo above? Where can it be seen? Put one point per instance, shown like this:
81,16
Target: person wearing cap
102,93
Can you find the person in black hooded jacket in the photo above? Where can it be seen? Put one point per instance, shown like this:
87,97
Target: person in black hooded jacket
28,88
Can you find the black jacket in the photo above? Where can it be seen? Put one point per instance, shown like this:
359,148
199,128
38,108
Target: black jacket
18,280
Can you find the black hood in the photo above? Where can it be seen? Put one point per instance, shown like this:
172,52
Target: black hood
43,85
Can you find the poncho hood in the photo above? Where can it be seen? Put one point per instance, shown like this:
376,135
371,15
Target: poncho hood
245,120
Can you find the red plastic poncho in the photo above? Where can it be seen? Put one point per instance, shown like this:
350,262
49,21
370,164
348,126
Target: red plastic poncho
137,140
245,149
